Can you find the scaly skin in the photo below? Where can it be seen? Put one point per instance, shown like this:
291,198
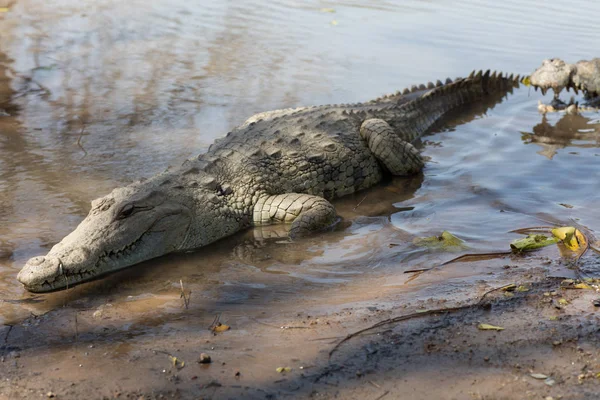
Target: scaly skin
557,75
281,166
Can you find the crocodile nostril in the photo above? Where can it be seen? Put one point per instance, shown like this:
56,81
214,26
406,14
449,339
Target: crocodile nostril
35,261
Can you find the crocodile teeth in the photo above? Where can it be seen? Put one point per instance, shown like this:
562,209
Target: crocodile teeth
544,90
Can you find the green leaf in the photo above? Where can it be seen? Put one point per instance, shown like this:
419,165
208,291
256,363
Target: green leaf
532,242
446,242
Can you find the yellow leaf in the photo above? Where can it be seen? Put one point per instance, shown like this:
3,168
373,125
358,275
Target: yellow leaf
177,363
509,288
562,232
327,10
488,327
4,9
581,238
570,237
526,81
522,288
283,369
553,318
220,327
582,286
334,22
563,302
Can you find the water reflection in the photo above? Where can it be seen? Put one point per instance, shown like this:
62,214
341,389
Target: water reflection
577,131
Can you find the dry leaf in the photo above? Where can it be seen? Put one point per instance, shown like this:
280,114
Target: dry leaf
177,363
488,327
539,376
220,327
582,285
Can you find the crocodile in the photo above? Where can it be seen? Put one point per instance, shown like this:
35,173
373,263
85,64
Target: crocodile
555,74
279,167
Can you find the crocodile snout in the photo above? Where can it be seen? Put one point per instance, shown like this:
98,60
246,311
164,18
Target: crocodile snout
39,270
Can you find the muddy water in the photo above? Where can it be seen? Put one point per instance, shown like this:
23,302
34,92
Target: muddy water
94,97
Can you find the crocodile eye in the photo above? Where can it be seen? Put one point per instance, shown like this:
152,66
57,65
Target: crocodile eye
126,211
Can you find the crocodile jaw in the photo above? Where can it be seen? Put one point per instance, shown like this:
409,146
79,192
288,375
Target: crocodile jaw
66,268
107,241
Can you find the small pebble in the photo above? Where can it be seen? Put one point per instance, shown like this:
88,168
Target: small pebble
204,359
50,395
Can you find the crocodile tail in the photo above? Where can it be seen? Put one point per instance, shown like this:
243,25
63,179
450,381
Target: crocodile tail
480,89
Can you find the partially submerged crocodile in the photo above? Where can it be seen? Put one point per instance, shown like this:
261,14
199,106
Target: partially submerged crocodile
281,166
557,75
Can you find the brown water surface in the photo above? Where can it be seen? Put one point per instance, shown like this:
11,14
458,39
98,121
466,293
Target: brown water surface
94,96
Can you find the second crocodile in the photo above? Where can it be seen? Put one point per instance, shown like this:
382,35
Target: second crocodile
557,75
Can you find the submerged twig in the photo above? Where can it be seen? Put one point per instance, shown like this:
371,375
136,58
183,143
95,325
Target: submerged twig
10,328
186,300
79,141
359,203
382,395
215,322
414,315
533,229
76,329
462,258
327,371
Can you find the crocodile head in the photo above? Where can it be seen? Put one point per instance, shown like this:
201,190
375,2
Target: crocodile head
130,225
557,75
554,74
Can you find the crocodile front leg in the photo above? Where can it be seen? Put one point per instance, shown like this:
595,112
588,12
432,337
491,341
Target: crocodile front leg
398,156
306,213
